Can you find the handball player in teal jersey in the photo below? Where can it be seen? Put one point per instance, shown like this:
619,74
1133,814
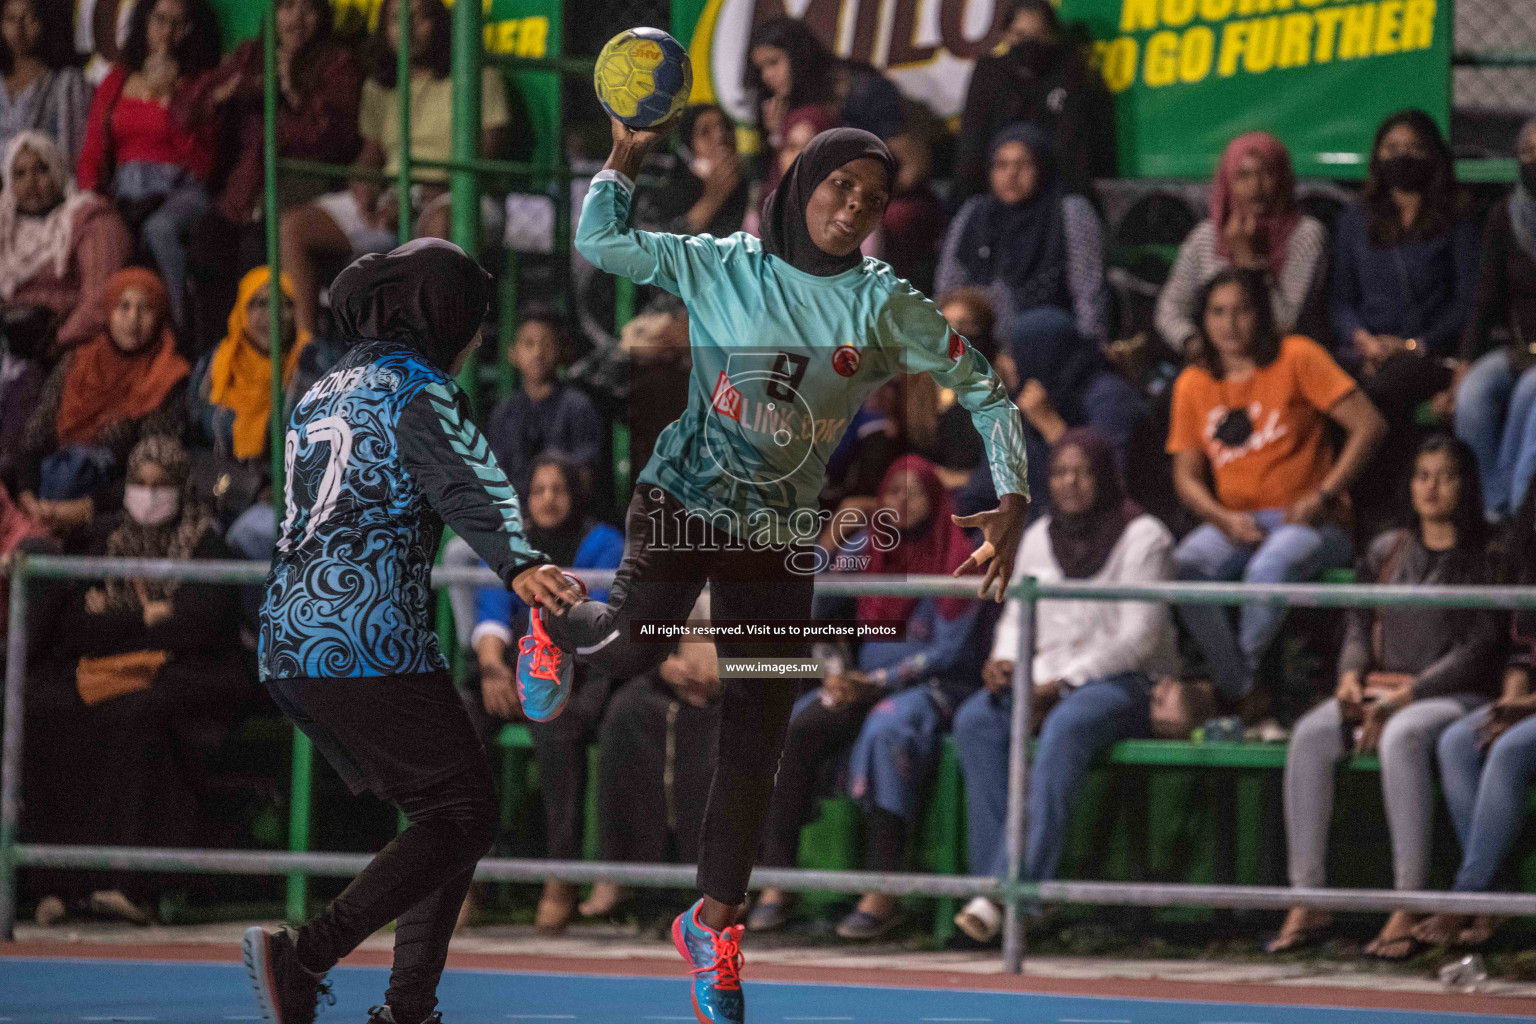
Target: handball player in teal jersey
789,335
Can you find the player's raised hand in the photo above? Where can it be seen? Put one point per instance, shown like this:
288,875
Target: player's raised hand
1001,530
547,587
630,145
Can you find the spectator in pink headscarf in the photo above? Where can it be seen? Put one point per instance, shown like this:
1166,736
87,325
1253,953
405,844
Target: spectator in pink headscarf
1255,223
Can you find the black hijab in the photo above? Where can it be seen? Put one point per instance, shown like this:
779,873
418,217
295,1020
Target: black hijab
784,232
428,293
561,541
1022,244
1082,543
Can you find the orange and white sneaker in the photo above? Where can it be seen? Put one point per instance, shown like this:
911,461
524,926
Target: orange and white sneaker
544,669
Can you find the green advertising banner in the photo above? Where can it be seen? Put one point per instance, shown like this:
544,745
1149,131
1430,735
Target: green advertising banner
1187,75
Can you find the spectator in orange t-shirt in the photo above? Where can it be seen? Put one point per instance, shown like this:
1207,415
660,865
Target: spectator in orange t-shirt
1251,413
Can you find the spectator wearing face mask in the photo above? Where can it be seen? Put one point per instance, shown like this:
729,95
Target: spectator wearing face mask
133,684
1404,269
100,399
1036,75
1496,400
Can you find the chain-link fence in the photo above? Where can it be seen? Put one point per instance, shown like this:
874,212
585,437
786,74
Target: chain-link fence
1493,27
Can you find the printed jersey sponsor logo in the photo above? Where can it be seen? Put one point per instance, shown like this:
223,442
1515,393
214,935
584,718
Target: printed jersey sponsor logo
726,400
845,360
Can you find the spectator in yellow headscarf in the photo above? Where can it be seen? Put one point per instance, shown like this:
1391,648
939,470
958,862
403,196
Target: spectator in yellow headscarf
232,398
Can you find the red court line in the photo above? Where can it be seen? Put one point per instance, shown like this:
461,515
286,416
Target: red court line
1121,988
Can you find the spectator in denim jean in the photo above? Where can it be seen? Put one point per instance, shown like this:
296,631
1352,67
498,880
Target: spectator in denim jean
1252,411
1094,667
1404,675
1496,398
893,705
1488,758
156,168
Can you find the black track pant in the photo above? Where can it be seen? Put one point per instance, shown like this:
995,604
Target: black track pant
668,557
408,739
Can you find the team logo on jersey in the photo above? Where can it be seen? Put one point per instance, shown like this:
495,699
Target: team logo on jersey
956,345
845,360
726,400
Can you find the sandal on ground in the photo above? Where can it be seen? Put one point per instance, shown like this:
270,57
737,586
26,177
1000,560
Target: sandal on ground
863,926
981,919
605,898
1395,950
111,903
767,916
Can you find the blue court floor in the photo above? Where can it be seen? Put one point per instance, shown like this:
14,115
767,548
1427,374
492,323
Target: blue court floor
53,991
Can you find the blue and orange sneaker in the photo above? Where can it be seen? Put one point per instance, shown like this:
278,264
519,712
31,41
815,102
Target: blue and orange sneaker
716,961
544,670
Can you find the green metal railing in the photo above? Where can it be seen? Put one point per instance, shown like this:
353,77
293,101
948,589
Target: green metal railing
1011,891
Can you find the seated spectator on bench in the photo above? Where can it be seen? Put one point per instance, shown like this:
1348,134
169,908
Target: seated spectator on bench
1488,758
654,764
1496,400
705,189
1038,76
788,69
320,83
41,89
230,399
958,447
557,524
365,216
893,707
1405,674
159,168
544,412
98,402
1251,412
912,232
1096,667
1256,223
58,246
1038,251
544,415
1404,269
133,685
21,385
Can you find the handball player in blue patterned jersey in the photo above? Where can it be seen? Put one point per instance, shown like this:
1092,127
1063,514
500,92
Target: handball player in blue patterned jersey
379,455
789,335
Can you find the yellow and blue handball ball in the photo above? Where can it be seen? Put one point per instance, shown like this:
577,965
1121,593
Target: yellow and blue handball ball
643,77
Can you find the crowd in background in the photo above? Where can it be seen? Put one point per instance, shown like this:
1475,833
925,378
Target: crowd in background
1320,393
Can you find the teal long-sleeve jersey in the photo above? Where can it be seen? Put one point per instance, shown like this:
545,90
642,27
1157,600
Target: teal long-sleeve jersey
782,360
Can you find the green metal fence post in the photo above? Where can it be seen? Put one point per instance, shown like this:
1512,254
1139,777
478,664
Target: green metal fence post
300,776
403,88
10,761
465,145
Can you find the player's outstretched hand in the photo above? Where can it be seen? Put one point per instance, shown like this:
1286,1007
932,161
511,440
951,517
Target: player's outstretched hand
547,587
1001,530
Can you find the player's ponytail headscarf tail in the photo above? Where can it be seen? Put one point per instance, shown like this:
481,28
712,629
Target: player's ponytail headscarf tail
785,234
428,293
936,547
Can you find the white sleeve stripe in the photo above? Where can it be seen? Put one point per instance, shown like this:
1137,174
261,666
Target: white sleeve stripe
617,177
